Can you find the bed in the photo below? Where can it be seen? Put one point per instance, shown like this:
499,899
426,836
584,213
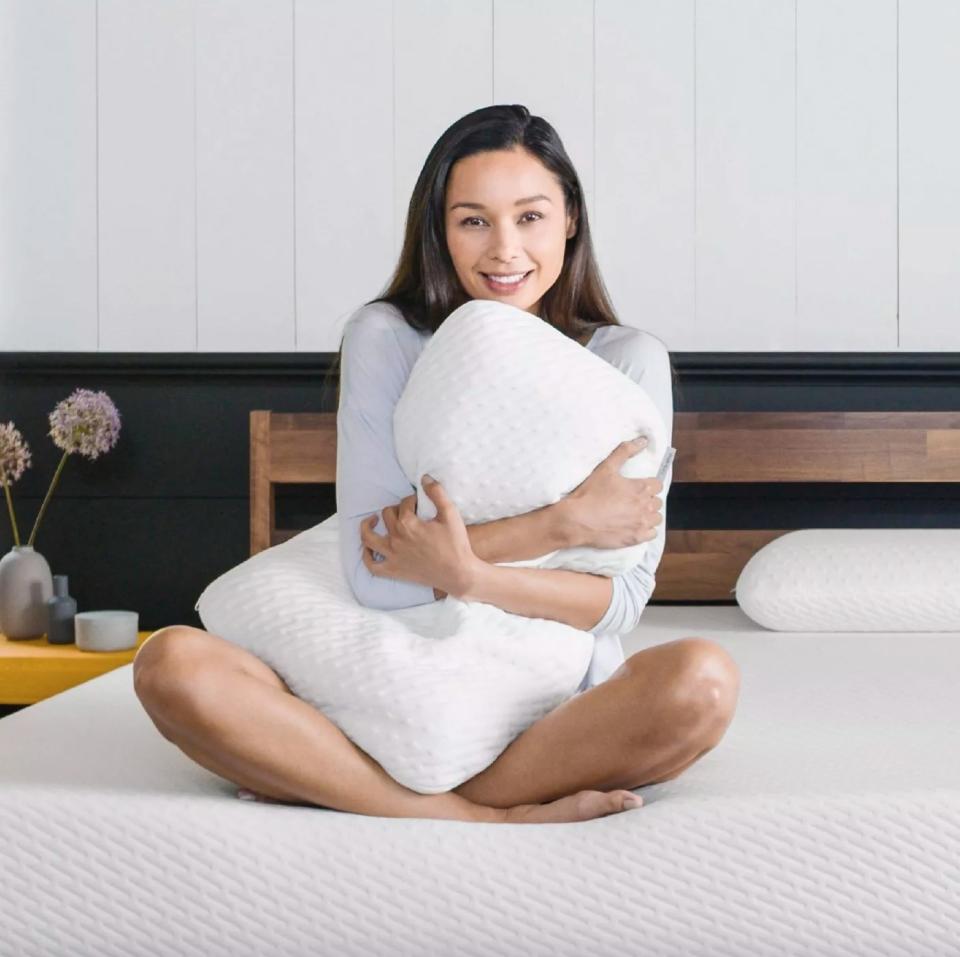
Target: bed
827,822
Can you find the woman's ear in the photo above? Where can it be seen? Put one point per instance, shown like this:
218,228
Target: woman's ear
571,227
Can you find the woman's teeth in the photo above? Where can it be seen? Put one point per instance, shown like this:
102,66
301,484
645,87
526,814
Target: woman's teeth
505,282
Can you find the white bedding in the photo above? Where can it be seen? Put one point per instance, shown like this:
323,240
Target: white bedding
827,822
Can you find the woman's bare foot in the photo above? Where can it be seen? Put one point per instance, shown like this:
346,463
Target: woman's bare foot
247,795
582,806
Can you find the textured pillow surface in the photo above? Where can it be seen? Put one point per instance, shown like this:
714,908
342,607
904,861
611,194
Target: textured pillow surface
509,415
434,693
855,579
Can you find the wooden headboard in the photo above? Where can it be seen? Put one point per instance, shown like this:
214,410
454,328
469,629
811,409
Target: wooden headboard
711,447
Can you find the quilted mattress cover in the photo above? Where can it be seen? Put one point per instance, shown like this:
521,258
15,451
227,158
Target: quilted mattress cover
827,822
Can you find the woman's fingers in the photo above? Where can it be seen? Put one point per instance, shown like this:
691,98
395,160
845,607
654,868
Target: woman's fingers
390,520
372,565
369,537
626,450
436,492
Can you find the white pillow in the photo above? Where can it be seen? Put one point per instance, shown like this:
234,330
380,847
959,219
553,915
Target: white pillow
509,415
855,579
434,693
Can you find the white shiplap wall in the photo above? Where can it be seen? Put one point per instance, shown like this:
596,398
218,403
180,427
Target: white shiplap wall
48,176
847,177
147,173
929,159
244,188
198,175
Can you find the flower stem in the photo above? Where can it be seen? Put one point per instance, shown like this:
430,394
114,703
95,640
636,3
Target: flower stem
13,518
43,508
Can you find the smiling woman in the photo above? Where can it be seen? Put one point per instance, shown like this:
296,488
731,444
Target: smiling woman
498,197
497,212
515,250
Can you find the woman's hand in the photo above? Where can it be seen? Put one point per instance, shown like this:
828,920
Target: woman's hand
435,553
607,510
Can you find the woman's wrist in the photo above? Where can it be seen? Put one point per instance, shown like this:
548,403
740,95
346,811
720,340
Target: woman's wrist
479,580
565,520
467,581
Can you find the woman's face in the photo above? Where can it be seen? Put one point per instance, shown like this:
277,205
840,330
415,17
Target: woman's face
489,231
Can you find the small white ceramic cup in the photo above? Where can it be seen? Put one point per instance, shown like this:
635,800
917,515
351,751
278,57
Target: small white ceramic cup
105,630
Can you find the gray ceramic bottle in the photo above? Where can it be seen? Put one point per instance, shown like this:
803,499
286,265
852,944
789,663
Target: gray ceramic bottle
60,613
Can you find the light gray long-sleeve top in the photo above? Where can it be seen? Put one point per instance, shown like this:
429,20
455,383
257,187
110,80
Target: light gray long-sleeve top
379,350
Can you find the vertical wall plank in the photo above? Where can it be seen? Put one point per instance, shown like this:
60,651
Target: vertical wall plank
245,273
543,59
147,176
846,176
644,231
745,281
929,177
443,71
48,176
344,163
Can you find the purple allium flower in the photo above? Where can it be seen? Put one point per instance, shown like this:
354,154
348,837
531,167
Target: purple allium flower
85,422
14,453
14,459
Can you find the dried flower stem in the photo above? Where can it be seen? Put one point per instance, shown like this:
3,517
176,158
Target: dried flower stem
13,518
43,507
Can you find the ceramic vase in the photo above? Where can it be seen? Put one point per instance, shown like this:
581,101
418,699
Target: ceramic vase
25,587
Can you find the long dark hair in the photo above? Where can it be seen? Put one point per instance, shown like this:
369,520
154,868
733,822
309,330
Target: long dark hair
425,286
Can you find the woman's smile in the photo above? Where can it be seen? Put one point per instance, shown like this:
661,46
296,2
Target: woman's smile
507,287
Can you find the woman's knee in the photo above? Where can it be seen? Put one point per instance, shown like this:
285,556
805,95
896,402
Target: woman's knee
707,682
698,679
180,660
169,663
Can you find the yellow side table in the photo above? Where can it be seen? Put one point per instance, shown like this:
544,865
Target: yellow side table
32,669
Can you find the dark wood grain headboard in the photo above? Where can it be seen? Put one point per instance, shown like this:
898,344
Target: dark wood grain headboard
711,447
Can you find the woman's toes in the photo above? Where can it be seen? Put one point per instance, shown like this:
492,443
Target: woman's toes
247,795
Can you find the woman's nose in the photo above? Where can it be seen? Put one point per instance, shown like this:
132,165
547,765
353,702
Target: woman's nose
504,245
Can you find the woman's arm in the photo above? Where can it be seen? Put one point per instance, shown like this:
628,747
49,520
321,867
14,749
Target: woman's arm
379,350
571,597
524,536
575,598
520,537
590,602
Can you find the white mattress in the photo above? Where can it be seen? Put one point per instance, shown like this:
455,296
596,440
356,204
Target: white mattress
826,822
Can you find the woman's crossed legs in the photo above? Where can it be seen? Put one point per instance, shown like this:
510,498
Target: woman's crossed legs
228,711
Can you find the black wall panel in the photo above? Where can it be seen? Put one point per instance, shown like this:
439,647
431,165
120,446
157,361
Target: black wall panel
146,526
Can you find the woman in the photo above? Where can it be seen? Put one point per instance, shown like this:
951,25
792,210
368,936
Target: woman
497,198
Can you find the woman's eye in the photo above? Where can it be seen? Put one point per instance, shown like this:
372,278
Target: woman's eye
473,219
